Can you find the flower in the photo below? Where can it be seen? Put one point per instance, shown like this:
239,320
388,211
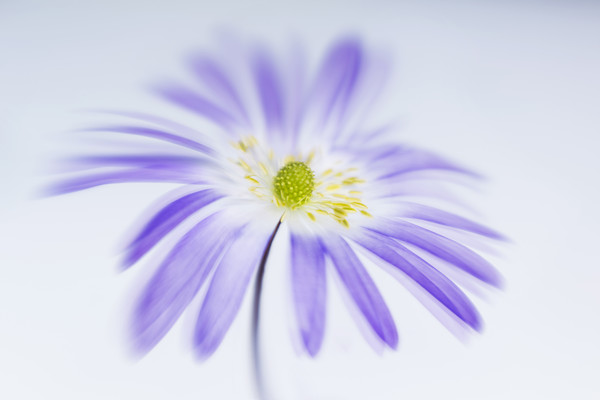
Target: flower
297,160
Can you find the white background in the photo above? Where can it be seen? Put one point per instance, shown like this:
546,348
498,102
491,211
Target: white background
511,88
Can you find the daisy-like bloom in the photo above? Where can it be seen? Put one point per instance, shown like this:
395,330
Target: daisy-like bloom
286,152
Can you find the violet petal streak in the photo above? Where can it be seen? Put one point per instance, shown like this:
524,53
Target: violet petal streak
432,214
218,81
165,221
442,247
270,91
402,161
227,289
362,289
425,275
198,104
309,289
137,160
336,81
178,279
131,175
154,134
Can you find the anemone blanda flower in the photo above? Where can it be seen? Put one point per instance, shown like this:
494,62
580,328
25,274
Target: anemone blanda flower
283,152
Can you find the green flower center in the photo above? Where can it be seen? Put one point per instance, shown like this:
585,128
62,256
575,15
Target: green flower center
294,184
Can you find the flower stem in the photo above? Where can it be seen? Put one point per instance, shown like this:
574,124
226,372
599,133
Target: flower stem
258,375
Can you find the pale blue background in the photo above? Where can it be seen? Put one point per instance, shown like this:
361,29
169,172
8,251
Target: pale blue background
508,87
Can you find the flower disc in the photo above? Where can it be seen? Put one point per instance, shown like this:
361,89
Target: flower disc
294,184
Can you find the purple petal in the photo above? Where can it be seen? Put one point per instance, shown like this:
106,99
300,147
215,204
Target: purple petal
137,160
309,290
442,247
178,279
337,79
154,134
400,161
183,131
381,154
367,136
165,221
198,104
227,289
429,278
296,76
432,214
269,91
420,188
130,175
362,289
219,83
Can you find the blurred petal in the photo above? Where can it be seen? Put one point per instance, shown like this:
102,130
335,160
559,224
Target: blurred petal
362,289
155,134
309,289
399,161
227,289
217,80
430,279
178,279
130,175
442,247
165,221
136,160
336,81
198,104
432,214
270,91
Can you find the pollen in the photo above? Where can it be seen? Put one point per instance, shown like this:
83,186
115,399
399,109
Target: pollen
294,184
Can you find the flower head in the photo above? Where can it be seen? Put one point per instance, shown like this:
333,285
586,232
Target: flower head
290,151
